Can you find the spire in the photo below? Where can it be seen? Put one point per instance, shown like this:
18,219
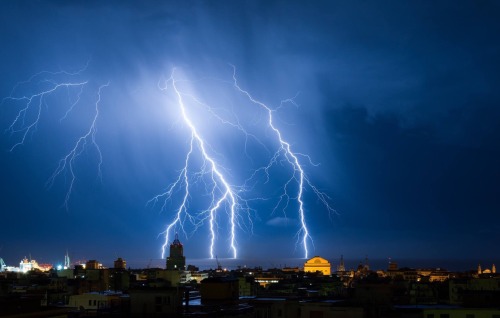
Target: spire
176,260
66,261
176,240
341,267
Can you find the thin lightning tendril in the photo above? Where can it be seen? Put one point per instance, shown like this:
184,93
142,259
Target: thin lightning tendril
298,175
19,125
67,162
30,115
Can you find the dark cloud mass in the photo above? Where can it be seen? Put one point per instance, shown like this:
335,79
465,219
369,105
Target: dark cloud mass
398,102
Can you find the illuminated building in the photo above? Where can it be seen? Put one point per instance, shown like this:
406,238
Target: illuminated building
29,265
317,264
176,260
120,263
93,264
480,271
393,266
26,265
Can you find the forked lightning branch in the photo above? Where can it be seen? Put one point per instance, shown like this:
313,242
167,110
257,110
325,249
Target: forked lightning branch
228,203
228,199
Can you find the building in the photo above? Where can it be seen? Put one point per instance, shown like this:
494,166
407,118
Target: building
219,290
93,264
341,266
95,301
270,307
452,312
247,286
120,263
318,264
155,301
176,260
480,271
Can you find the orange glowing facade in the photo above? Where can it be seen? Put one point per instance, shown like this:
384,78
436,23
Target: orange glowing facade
318,264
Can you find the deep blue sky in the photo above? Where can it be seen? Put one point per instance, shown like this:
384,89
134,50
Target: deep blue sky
397,101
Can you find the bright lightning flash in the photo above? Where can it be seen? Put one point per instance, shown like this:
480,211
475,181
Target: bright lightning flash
224,196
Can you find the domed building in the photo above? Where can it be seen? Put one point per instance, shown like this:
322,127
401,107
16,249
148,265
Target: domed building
317,264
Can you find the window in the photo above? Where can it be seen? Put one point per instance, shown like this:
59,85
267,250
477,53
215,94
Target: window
430,315
158,300
470,316
444,316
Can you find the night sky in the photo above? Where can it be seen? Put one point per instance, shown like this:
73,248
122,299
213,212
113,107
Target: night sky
396,103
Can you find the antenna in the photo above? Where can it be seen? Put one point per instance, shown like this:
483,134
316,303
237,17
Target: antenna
219,267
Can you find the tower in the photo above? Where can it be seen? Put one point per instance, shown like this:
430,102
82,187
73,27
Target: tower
120,263
341,266
176,260
67,263
479,271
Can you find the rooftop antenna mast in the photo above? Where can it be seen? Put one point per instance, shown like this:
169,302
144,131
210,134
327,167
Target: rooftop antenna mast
219,267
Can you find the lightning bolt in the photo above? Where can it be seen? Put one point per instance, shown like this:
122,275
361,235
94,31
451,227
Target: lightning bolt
298,174
45,84
223,194
67,162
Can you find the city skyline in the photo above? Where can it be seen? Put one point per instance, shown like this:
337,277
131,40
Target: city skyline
395,104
